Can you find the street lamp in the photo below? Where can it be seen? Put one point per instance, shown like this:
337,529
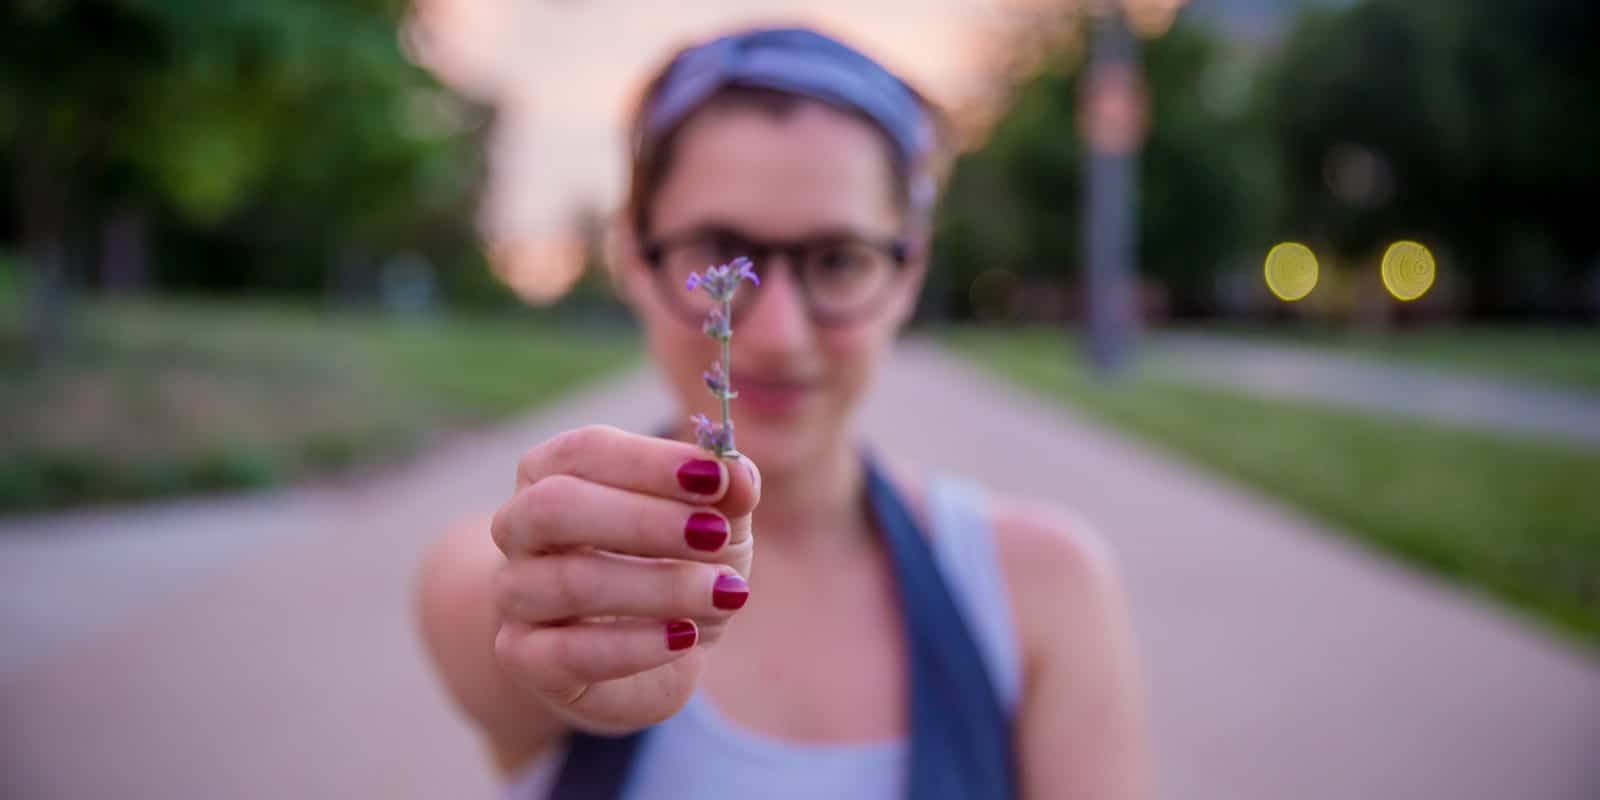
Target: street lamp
1114,119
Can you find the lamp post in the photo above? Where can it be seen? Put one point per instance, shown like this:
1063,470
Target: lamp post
1114,119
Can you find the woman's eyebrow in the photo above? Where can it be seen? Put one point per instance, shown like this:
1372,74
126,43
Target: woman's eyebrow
837,233
717,228
710,228
823,233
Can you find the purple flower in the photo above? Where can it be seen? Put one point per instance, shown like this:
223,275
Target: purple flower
719,282
716,326
717,381
722,280
703,428
711,436
746,270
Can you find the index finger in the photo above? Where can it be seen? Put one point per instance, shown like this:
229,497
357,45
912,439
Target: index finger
646,464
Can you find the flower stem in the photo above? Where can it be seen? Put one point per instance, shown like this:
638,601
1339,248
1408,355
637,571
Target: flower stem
727,370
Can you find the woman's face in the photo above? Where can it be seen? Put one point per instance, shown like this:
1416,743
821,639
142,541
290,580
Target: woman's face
811,172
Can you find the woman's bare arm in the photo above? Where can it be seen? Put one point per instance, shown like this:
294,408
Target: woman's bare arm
1081,729
456,607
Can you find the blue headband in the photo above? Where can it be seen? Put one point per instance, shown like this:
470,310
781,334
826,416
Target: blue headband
802,62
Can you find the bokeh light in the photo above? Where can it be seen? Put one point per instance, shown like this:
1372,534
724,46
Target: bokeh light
1291,271
1408,270
540,270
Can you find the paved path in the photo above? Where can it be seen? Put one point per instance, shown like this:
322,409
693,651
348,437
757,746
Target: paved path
280,662
1372,385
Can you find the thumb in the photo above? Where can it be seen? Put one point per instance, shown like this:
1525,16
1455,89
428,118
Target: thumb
744,488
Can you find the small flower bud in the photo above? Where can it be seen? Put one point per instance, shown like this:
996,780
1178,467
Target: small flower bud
716,326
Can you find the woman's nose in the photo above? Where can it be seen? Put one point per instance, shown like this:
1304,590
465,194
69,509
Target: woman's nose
777,315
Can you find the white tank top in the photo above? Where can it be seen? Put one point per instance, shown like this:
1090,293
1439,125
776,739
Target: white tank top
698,753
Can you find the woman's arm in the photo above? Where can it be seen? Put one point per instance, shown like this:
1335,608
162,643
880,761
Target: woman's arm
456,608
1081,727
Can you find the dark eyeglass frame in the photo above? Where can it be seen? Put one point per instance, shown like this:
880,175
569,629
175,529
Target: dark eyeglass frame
759,251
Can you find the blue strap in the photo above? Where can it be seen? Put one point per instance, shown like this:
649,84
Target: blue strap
596,766
960,734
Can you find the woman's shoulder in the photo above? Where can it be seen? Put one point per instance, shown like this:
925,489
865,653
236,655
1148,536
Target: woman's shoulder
1060,572
1042,542
1044,550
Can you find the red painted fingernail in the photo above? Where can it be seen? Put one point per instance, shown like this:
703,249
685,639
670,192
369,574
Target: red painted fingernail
705,531
730,592
681,635
700,476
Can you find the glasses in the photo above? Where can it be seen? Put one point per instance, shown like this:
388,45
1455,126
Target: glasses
842,277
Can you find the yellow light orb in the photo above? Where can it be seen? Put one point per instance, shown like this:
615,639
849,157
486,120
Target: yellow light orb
1291,271
1408,270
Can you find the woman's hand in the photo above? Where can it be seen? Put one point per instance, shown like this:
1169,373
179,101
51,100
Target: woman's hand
626,557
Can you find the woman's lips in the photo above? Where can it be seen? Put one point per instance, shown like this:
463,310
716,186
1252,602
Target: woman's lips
767,396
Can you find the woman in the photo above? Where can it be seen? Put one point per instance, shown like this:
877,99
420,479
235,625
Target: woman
899,636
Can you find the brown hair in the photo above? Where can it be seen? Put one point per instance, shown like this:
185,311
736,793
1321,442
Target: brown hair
651,155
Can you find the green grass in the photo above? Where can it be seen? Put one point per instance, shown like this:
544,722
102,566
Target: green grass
1519,520
157,398
1568,357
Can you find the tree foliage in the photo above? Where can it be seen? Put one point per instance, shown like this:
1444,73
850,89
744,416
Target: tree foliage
1014,204
1477,119
263,143
1467,124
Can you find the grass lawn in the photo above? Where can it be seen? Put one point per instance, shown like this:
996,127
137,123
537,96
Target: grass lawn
1517,519
160,397
1568,357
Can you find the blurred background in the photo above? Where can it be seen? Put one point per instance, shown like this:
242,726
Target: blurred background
1299,300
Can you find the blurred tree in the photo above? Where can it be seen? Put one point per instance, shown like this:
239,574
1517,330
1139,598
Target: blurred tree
1009,204
1013,204
1467,123
267,141
1206,187
59,112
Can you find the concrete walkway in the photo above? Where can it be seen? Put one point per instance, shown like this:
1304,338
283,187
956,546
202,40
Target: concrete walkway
1371,385
280,661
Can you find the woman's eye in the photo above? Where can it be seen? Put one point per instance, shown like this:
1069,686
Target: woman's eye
840,263
729,249
701,254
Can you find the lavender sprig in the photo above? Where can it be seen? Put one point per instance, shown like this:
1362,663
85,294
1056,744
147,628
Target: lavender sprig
720,282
